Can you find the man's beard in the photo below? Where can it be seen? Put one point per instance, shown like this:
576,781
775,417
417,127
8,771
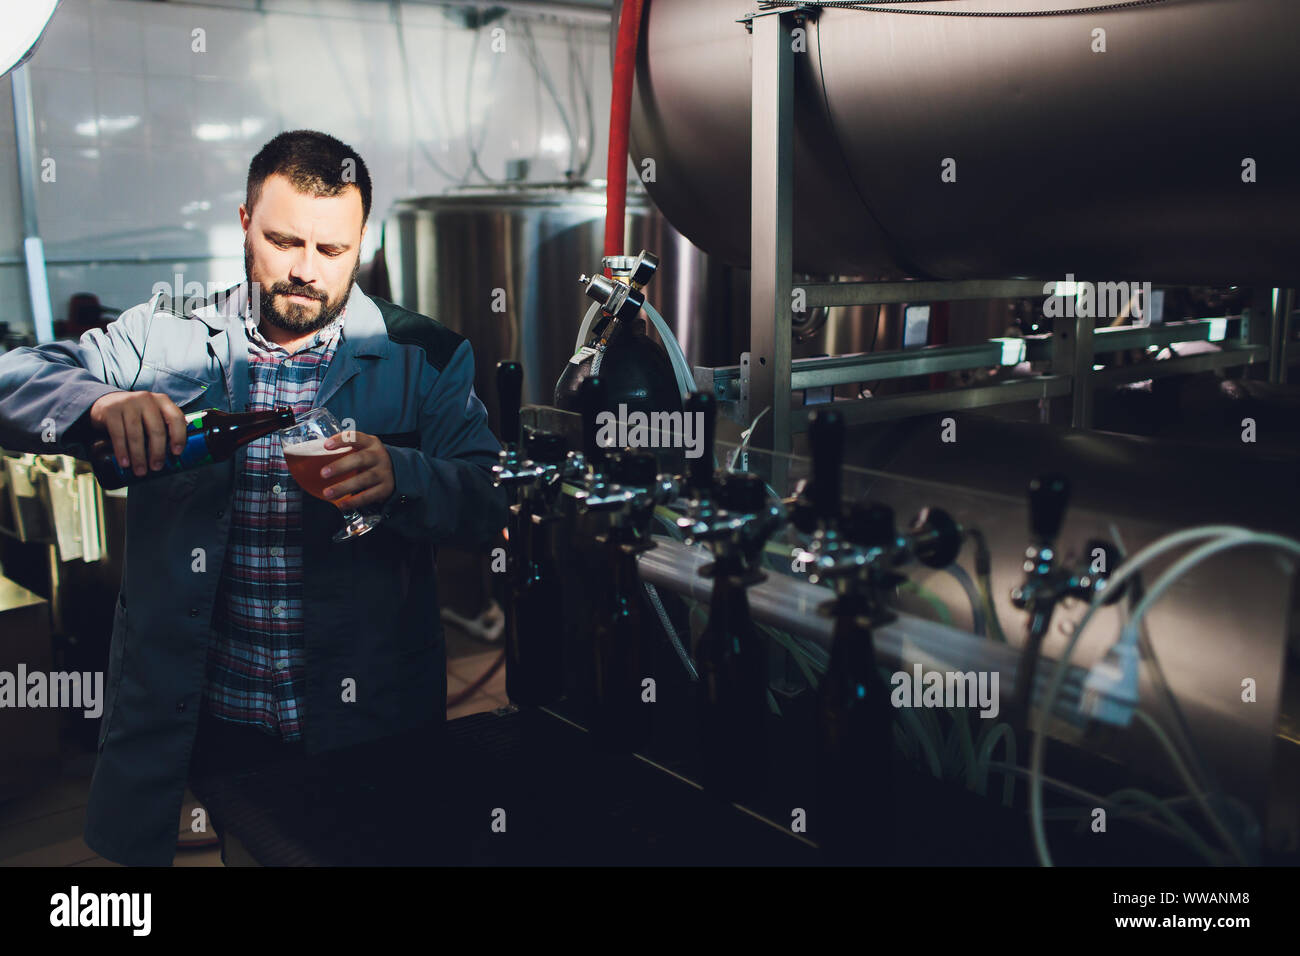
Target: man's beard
297,317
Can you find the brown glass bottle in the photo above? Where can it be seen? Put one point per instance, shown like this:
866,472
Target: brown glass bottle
210,436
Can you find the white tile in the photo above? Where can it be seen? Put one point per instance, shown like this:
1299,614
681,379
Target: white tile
72,197
233,41
117,35
11,214
221,116
122,110
64,105
6,115
173,40
170,111
65,44
128,186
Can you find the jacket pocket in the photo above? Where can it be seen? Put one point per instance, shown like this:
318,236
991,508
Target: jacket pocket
183,389
116,656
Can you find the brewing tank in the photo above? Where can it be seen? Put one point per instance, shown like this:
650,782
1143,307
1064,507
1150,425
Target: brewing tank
1154,142
500,266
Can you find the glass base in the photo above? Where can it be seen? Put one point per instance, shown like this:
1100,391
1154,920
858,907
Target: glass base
357,527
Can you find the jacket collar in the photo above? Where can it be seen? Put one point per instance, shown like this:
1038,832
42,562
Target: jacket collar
363,325
364,336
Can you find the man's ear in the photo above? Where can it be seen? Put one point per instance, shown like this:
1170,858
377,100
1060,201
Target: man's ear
245,219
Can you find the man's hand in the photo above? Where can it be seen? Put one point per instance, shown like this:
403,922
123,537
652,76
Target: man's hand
131,419
372,483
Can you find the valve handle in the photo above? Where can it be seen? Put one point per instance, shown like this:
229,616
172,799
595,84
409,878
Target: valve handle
826,436
510,387
1048,497
591,397
700,470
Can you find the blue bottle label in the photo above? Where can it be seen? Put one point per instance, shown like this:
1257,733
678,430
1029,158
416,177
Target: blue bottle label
194,454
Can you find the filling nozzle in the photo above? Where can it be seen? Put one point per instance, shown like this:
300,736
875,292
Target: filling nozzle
537,460
621,296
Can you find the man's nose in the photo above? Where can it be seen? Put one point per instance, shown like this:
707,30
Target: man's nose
305,268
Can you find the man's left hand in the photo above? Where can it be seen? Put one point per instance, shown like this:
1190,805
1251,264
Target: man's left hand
373,483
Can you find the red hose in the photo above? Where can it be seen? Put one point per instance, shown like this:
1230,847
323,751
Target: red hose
620,110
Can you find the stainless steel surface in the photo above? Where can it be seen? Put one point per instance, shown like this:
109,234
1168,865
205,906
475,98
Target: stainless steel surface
1120,164
872,293
1280,332
1185,365
911,404
448,255
1122,338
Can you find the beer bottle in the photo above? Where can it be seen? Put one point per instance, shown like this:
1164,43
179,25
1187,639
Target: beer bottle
211,435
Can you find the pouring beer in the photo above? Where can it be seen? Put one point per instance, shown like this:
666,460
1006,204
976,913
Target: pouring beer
305,454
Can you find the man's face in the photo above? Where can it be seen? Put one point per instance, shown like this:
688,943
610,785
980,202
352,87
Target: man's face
303,252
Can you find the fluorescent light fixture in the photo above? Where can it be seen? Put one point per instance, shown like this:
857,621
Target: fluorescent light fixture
916,326
1218,330
23,25
1013,350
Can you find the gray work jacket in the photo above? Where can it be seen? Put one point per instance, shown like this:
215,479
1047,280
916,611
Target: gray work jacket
370,604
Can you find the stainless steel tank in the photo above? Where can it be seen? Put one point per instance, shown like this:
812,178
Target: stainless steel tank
1127,162
447,257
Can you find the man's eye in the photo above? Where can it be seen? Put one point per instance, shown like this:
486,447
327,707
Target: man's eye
331,255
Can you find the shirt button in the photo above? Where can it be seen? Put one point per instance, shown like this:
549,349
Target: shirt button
194,612
277,610
277,552
277,490
220,515
281,665
180,707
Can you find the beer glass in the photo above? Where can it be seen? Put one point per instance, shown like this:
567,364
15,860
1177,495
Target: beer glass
305,454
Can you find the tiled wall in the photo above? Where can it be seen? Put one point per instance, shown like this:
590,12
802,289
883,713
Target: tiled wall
151,137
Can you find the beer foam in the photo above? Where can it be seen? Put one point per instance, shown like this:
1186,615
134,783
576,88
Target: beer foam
313,448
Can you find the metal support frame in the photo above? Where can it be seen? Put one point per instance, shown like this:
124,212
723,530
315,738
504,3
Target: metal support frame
1280,334
771,233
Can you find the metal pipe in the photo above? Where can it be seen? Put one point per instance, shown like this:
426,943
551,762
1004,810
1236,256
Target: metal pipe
38,288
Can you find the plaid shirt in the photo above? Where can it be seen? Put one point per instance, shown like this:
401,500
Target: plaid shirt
257,653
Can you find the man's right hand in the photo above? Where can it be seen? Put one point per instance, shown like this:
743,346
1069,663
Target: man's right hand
133,419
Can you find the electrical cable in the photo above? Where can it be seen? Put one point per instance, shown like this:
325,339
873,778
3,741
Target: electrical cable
1039,743
1183,729
468,692
983,575
544,77
962,577
395,14
469,135
653,593
1129,568
1181,769
984,757
588,109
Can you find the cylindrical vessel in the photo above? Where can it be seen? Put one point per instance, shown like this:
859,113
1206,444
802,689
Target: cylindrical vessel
501,267
1154,143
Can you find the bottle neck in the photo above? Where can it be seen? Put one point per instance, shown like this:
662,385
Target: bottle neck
227,433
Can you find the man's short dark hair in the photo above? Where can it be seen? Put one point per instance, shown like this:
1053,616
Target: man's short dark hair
315,163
